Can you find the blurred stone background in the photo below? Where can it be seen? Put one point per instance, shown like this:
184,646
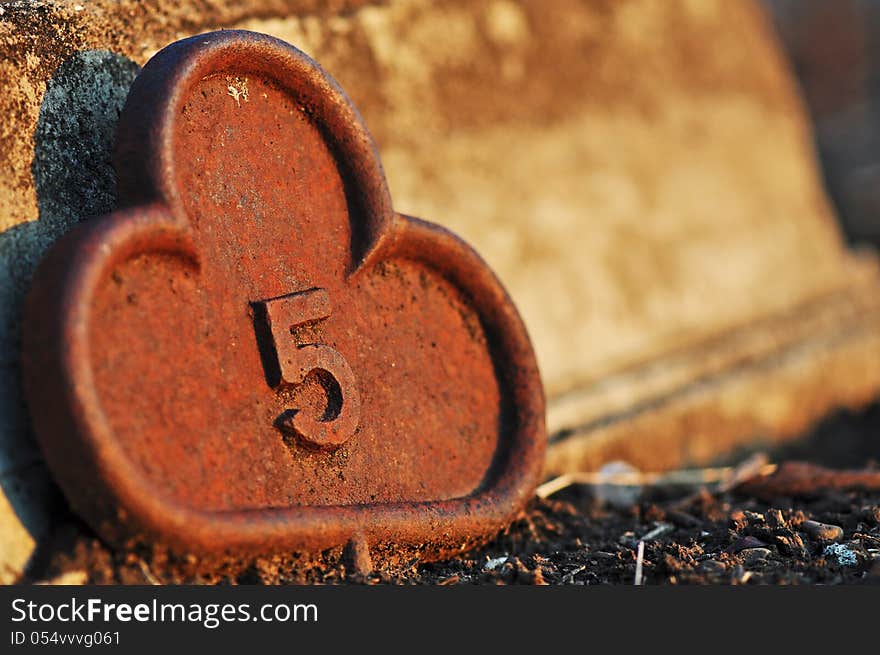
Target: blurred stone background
834,48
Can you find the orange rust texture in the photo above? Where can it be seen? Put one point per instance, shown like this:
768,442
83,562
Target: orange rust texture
246,176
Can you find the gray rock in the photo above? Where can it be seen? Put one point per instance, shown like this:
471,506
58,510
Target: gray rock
712,566
753,556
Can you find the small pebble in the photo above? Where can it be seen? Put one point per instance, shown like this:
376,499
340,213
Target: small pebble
843,555
791,545
494,563
712,566
822,531
752,556
745,543
774,518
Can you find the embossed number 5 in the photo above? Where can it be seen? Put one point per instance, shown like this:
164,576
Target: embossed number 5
290,363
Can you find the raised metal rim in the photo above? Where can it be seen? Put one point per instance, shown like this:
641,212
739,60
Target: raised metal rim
59,309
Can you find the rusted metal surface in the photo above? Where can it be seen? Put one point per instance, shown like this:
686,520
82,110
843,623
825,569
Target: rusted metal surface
255,352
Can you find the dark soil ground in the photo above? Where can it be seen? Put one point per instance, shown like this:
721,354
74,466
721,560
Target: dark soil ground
690,537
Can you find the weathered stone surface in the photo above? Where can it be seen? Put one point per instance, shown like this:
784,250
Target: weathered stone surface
768,380
639,174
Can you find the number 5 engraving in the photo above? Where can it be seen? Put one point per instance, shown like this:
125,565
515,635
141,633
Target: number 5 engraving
288,364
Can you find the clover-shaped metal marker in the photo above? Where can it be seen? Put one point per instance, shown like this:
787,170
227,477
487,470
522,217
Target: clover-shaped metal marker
255,352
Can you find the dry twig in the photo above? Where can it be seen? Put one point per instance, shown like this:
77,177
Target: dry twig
640,558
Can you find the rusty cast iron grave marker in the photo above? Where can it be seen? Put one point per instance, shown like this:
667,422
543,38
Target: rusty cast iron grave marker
254,352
